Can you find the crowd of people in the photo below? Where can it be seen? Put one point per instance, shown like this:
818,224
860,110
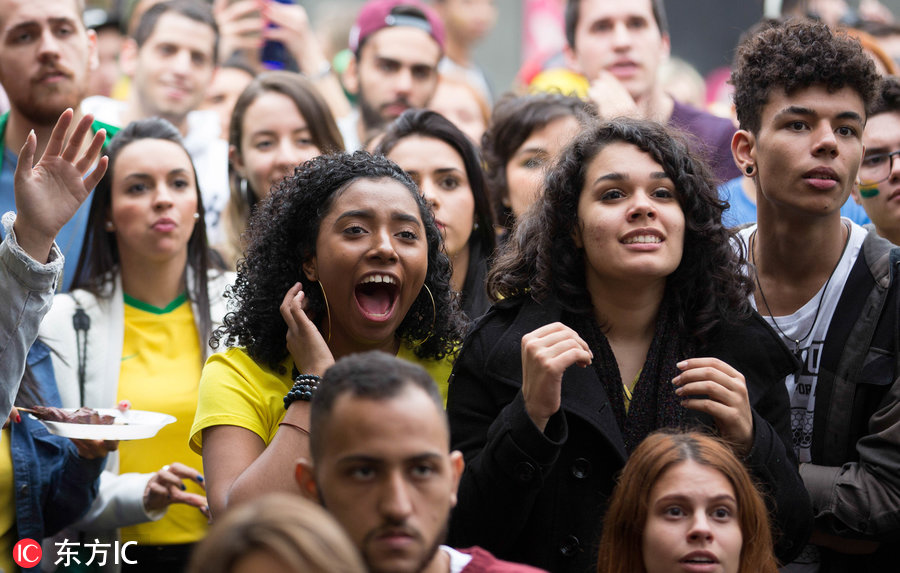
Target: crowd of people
406,324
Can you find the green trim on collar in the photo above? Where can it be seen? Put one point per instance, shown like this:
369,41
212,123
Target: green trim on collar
96,126
147,307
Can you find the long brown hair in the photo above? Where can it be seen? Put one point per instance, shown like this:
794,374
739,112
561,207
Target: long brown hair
323,132
623,526
99,260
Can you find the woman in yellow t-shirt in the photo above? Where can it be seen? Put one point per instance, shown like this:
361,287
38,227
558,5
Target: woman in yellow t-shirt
135,327
342,257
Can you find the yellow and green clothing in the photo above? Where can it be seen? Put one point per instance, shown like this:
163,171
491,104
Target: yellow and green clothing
235,390
160,372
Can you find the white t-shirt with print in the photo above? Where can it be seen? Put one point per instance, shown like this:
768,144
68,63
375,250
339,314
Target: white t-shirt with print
801,385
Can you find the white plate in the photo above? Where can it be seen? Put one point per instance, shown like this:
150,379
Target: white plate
132,425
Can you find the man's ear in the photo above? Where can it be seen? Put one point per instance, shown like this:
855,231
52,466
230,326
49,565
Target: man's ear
743,149
571,59
310,269
350,76
93,51
128,57
457,465
303,473
665,47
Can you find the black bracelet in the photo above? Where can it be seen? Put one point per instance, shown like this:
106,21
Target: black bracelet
304,388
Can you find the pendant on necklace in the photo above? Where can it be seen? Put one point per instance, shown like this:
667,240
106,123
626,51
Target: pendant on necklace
798,352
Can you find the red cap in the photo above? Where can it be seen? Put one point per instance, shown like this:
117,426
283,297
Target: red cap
379,14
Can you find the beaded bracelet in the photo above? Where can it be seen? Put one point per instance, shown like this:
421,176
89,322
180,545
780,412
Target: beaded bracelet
304,388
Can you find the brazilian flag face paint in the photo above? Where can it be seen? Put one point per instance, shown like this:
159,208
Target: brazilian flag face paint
867,192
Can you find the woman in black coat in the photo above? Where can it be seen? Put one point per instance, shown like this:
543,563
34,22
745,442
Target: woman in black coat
623,309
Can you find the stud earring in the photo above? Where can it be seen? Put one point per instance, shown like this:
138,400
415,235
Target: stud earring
109,226
196,215
749,170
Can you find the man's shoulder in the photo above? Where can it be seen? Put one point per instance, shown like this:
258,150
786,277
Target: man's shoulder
104,109
700,122
880,254
484,562
347,125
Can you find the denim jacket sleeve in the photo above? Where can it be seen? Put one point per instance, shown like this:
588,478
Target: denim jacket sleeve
27,287
54,485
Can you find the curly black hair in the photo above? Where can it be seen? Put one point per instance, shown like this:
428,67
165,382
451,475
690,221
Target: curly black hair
541,259
282,235
888,99
794,55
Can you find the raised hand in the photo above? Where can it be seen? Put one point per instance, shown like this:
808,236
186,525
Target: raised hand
49,194
304,341
240,26
166,487
611,97
712,386
291,28
546,353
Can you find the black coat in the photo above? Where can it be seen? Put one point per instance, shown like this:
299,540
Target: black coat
539,498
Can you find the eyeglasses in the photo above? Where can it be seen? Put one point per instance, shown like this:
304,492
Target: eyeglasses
876,168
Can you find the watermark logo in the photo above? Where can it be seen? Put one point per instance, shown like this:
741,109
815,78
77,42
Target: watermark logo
27,553
68,552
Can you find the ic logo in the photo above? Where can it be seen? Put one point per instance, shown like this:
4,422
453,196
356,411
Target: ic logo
27,553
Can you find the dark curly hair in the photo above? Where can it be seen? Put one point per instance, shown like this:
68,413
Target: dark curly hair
282,235
888,99
514,119
541,258
794,55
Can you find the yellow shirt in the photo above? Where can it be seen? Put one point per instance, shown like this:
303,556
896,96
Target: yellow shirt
237,391
160,372
628,389
7,504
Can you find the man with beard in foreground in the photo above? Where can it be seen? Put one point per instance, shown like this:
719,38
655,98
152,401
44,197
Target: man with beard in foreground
382,465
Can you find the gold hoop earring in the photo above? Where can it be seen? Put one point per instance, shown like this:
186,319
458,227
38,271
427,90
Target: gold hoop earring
327,310
419,343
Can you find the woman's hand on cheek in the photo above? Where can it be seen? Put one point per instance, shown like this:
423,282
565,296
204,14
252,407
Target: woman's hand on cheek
712,386
304,341
546,353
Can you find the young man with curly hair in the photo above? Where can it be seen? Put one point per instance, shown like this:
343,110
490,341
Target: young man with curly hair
803,94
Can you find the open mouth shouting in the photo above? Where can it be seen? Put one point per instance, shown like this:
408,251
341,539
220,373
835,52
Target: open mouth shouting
376,296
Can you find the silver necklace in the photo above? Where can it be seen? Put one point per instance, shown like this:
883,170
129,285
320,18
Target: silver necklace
796,341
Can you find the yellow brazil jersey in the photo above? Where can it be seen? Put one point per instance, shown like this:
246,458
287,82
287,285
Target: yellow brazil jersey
237,391
160,372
